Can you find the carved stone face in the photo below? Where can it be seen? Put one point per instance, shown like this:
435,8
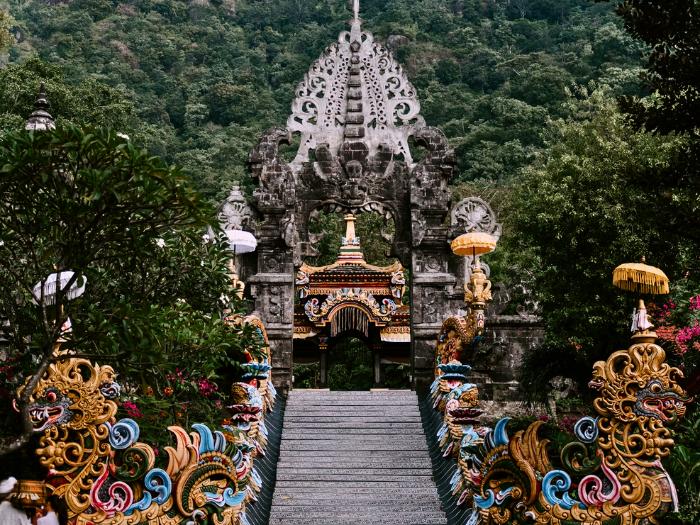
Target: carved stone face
354,169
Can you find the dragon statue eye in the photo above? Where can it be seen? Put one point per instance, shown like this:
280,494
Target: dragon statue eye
51,396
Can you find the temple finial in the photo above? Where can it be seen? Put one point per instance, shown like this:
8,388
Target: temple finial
350,250
356,10
350,237
40,119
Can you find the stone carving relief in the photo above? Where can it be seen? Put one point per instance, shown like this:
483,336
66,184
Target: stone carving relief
276,184
432,174
475,214
273,262
429,305
430,264
235,213
389,103
275,304
290,235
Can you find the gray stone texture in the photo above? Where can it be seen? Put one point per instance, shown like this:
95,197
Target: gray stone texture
342,461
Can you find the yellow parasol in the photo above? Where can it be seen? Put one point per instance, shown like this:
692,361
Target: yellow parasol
473,244
641,278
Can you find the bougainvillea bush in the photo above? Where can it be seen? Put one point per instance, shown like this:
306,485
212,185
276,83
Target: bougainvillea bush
677,324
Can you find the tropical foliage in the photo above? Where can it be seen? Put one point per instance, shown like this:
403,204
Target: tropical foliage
206,77
526,91
93,203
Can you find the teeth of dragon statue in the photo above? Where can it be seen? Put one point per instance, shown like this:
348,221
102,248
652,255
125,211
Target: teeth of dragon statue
611,473
106,476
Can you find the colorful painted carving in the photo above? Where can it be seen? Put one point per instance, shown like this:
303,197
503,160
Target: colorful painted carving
610,474
106,476
351,295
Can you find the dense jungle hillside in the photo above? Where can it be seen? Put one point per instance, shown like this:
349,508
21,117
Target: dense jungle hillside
206,76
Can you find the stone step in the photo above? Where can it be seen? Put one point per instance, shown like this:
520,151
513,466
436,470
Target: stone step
323,446
323,498
319,405
342,511
346,411
316,392
355,458
328,417
352,485
410,427
369,520
355,517
392,433
353,439
393,455
362,491
330,469
327,462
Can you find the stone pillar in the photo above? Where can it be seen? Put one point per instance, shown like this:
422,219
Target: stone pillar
431,286
273,290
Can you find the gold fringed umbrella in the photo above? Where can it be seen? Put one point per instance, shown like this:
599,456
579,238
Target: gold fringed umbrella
473,243
641,278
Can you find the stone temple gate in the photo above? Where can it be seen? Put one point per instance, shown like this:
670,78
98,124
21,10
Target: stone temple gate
361,147
359,124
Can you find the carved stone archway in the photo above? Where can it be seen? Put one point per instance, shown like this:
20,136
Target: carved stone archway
356,113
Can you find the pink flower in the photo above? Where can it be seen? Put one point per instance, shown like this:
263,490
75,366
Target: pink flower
132,410
687,333
206,387
695,303
567,423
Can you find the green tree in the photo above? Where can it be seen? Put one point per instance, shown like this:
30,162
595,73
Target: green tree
91,102
6,39
575,218
93,203
672,32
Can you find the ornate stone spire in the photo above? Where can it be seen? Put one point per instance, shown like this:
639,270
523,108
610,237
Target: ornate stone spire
40,119
350,251
355,92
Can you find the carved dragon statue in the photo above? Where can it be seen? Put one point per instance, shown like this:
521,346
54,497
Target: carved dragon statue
610,474
106,476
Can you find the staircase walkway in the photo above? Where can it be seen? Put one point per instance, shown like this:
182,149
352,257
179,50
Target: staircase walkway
354,458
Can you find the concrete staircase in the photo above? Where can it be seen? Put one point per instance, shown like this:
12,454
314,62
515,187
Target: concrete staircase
354,458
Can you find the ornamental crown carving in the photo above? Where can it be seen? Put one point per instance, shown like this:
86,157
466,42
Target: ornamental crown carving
355,91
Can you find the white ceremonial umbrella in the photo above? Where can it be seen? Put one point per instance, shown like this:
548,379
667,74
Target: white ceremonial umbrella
58,281
241,241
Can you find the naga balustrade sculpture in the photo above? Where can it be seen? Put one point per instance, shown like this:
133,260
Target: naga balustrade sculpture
610,474
106,476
